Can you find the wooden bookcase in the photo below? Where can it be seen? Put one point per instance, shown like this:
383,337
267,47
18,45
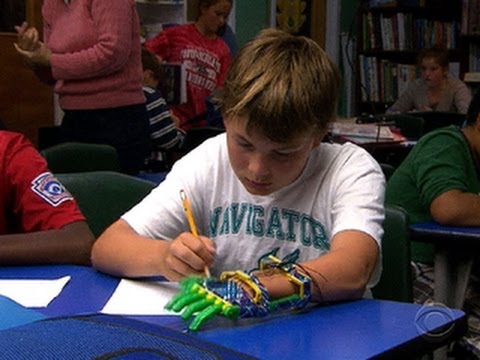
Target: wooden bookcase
470,40
389,37
26,104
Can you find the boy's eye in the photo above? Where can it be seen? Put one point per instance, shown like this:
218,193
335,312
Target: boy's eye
282,155
245,145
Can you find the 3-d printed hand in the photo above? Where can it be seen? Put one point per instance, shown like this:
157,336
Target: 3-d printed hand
234,295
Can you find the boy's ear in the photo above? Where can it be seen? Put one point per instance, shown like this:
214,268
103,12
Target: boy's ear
317,140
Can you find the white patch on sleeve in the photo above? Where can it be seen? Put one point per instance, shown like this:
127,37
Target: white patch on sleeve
50,189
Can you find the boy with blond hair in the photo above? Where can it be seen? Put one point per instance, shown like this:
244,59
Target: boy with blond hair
268,186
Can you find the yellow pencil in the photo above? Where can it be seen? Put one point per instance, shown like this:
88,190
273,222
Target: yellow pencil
191,221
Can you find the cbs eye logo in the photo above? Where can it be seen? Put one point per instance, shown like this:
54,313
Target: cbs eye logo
435,321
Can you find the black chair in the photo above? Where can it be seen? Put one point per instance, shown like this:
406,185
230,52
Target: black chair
411,126
195,136
103,196
396,282
437,119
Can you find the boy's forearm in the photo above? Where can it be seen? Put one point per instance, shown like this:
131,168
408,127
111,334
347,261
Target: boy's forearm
121,252
323,287
342,273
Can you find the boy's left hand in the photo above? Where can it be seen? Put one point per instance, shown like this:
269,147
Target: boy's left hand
228,297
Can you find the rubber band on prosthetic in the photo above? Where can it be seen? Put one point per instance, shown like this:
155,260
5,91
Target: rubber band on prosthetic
303,281
237,294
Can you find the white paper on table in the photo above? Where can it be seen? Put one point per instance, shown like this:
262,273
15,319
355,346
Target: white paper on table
32,292
136,297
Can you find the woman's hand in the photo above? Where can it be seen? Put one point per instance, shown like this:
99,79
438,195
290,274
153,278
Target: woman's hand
28,38
30,47
40,56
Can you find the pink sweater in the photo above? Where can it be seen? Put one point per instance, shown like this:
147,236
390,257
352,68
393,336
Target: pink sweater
95,48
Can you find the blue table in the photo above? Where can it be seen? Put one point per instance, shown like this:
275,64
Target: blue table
349,330
455,249
156,177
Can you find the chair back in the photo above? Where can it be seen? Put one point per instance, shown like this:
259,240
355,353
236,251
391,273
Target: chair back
396,281
195,136
411,126
80,157
437,119
387,170
103,196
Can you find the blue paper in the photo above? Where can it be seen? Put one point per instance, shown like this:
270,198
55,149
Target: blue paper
13,314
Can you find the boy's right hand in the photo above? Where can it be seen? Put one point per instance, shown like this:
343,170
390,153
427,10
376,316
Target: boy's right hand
188,255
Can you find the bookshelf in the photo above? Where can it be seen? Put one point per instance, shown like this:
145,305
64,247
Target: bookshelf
155,14
390,34
470,38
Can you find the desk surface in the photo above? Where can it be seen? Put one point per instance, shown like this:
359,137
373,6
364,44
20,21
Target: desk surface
433,232
350,330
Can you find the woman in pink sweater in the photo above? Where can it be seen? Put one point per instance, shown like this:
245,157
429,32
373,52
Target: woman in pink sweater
91,50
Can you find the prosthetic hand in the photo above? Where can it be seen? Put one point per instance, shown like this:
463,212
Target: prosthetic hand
234,295
237,294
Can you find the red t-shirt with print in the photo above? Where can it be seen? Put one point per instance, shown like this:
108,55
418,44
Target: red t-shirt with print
31,198
206,63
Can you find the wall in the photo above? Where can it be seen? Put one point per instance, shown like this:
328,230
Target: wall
251,16
254,15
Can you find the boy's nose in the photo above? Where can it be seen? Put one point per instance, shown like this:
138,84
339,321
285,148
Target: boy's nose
258,166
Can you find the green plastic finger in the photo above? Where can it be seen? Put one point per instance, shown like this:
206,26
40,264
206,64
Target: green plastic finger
231,312
188,286
205,315
185,300
196,307
174,300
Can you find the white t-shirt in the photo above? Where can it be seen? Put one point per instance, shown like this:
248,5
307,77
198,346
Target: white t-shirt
341,188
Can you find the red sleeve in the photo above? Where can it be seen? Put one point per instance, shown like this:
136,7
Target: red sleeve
159,45
39,201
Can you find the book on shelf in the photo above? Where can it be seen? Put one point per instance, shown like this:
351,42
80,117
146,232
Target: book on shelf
474,57
472,77
470,17
382,3
393,3
173,83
